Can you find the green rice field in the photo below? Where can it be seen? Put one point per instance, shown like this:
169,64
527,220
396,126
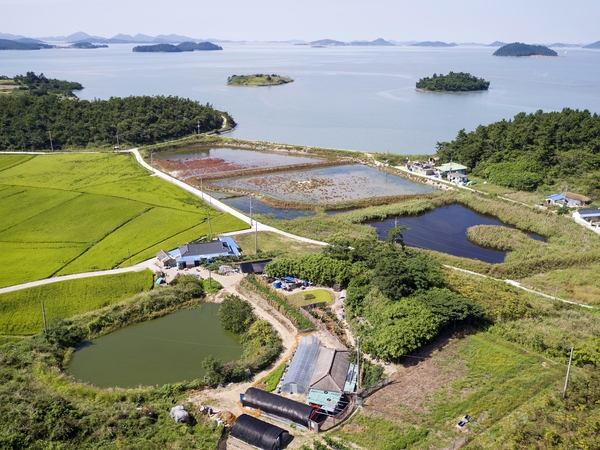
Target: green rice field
64,214
21,311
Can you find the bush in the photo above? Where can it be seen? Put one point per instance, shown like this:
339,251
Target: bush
235,314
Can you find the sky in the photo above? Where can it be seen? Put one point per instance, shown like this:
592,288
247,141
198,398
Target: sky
460,21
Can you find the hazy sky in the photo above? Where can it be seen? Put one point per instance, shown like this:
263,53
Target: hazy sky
539,21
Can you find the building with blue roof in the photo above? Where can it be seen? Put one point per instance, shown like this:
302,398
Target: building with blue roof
192,255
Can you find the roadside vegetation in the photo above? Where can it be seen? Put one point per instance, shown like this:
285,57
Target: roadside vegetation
67,214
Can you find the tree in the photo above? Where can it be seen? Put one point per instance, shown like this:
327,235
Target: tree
235,314
214,371
395,236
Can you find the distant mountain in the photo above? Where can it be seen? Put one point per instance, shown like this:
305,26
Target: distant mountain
11,37
496,44
472,44
520,50
88,45
594,45
376,42
30,41
327,42
8,44
433,44
561,45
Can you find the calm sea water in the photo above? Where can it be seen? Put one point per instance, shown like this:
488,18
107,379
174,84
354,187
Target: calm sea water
347,97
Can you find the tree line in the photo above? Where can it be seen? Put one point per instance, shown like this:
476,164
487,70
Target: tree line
26,121
533,151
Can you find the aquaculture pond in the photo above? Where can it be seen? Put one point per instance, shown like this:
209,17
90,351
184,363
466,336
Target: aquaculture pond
445,230
330,184
196,161
243,204
165,350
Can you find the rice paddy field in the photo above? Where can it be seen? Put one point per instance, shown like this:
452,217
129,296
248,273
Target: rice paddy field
21,311
64,214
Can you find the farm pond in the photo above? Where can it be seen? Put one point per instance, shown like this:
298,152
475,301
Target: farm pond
445,230
197,161
330,184
165,350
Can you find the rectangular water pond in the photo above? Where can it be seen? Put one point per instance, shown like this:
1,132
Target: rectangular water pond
243,204
331,184
196,161
165,350
445,230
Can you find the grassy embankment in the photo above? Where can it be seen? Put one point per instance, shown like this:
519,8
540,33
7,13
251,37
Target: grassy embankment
67,214
270,243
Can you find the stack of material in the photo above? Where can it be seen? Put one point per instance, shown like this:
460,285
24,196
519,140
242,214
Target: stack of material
226,417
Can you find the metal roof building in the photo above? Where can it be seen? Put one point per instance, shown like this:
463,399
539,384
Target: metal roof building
330,370
297,379
257,433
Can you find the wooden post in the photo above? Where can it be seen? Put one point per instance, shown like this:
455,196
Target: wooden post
44,316
567,377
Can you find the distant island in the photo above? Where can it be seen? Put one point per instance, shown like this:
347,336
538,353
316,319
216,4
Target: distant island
332,42
37,85
25,44
87,45
433,44
496,44
453,82
183,47
594,45
258,79
523,50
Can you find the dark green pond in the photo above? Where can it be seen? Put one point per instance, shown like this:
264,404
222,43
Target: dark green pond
165,350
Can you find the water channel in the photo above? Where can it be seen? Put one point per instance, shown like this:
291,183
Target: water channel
445,230
166,350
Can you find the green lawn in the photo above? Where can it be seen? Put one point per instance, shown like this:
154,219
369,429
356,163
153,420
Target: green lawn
75,213
21,312
311,297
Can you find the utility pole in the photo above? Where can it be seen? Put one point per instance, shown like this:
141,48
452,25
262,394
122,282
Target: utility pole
44,316
567,377
209,225
358,361
201,188
118,147
198,126
256,238
51,145
250,209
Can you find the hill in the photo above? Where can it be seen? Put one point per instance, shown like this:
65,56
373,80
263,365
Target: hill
496,44
376,42
183,47
594,45
533,150
88,45
7,44
453,82
433,44
523,50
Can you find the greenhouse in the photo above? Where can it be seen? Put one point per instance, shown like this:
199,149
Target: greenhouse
297,379
278,407
257,433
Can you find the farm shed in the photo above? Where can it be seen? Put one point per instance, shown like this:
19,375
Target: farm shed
279,407
589,215
257,433
190,255
254,266
166,259
331,370
297,379
452,167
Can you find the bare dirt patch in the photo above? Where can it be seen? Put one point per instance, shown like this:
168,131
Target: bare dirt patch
418,378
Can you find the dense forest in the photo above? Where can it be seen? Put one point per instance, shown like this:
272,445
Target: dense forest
27,120
533,150
399,297
7,44
88,45
520,49
183,47
453,82
40,85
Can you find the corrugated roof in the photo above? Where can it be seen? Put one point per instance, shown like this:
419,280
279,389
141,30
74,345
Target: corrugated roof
556,197
303,365
327,400
331,370
254,266
206,248
589,212
451,166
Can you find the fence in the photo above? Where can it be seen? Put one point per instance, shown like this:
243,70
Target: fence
332,421
371,389
321,328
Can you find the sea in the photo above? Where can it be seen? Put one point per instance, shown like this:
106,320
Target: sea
355,98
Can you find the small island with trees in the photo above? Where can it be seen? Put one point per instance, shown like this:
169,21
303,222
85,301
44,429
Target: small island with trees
183,47
257,79
453,82
519,49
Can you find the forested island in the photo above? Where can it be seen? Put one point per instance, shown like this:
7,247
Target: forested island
433,44
39,85
453,82
183,47
88,45
27,120
258,79
533,150
7,44
522,50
